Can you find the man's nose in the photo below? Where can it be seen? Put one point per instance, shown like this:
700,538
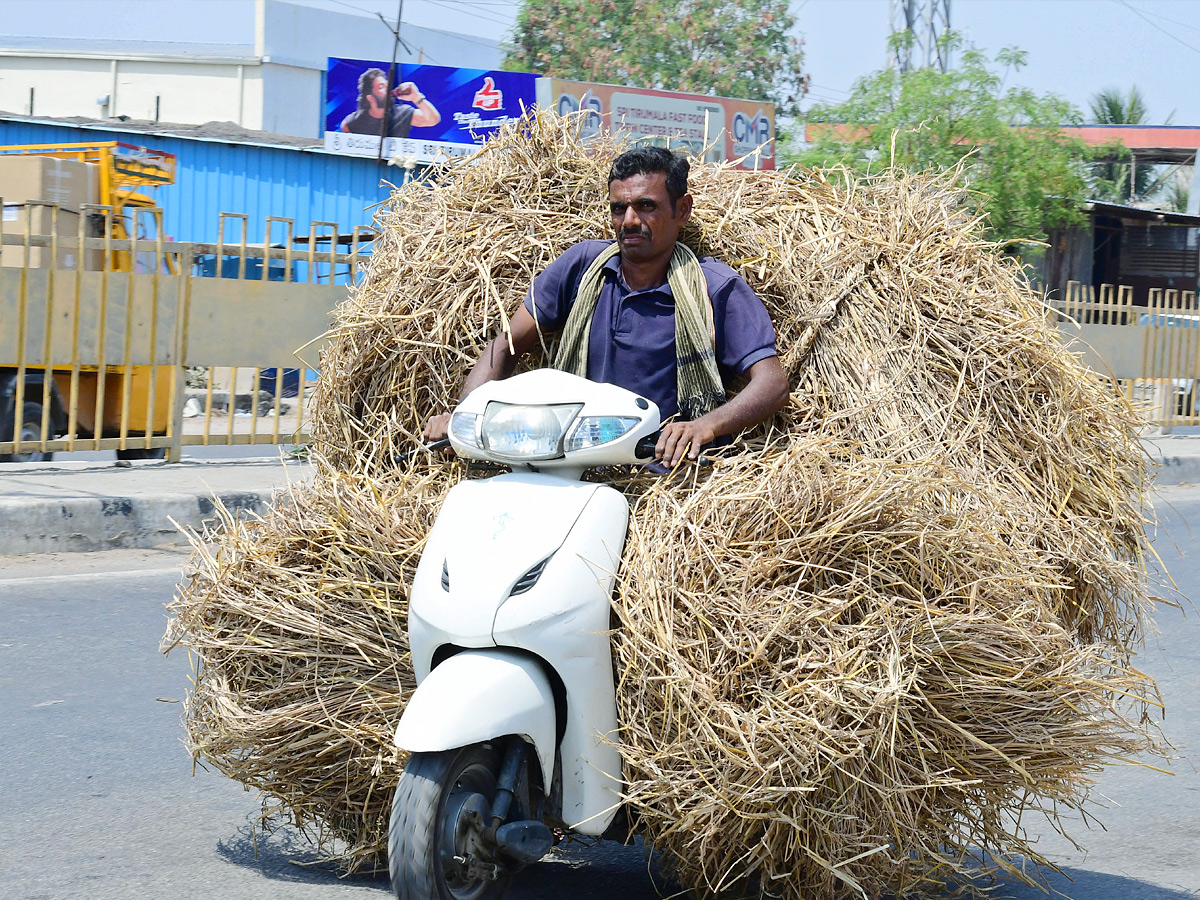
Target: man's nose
630,219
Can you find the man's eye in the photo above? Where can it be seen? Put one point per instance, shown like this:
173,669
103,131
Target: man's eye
617,210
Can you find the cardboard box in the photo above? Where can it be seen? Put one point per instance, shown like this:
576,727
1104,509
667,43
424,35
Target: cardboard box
68,183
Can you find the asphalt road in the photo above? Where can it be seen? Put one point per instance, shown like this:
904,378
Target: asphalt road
98,799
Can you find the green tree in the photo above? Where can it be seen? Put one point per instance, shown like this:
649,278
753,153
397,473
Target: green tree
725,48
1111,107
1024,171
1112,182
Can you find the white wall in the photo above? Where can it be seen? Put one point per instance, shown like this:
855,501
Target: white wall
187,92
303,35
289,101
62,87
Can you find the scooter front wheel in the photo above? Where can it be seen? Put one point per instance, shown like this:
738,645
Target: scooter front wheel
442,804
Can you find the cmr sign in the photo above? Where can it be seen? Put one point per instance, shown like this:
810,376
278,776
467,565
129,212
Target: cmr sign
751,132
717,128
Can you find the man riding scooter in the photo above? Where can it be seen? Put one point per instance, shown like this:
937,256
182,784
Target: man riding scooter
512,730
645,314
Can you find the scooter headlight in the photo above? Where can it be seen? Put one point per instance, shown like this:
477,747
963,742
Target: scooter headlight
519,432
592,431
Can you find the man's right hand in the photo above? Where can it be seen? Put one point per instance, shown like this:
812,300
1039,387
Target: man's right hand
495,362
437,428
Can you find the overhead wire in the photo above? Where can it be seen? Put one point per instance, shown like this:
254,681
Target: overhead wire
1141,15
1159,15
476,13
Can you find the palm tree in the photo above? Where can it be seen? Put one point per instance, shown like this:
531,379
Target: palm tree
1113,107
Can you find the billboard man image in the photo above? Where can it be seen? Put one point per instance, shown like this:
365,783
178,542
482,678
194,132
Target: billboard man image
373,105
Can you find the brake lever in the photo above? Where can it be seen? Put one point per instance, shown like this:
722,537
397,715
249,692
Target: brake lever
401,458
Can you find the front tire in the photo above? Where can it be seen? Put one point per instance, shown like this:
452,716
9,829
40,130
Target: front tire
430,825
31,430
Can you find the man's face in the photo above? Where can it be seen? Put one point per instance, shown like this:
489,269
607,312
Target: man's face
379,91
645,224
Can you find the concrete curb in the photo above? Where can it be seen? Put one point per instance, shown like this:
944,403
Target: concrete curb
83,506
1177,458
1175,470
107,523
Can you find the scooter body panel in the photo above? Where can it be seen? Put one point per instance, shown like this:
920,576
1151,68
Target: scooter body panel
488,535
566,620
477,695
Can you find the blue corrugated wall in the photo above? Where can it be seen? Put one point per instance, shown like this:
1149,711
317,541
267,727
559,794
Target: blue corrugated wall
217,176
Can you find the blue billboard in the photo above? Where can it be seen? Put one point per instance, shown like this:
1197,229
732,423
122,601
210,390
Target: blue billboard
422,113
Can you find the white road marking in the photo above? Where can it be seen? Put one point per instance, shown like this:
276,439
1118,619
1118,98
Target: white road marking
93,576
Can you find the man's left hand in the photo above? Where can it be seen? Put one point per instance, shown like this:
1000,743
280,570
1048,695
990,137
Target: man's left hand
680,439
408,91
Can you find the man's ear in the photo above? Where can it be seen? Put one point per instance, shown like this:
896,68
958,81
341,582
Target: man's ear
683,208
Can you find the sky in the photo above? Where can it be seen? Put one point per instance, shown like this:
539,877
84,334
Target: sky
1075,47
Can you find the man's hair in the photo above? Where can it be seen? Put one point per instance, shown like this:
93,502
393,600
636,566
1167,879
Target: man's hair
648,161
366,84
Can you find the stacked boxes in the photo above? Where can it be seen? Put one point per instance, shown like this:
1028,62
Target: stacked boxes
26,182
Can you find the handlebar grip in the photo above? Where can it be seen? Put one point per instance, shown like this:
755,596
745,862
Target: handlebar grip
644,449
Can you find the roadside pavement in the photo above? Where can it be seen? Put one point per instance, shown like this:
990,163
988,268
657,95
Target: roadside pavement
67,505
93,504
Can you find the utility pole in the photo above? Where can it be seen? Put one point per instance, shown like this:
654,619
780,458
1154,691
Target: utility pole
389,113
926,22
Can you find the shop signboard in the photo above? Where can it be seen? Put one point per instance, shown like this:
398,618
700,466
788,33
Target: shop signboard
431,113
721,128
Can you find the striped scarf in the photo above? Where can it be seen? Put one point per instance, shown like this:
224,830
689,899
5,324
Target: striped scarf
698,383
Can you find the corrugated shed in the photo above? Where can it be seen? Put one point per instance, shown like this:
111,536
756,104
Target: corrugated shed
215,176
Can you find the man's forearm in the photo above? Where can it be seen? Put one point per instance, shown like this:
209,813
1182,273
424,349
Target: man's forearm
764,395
494,363
744,411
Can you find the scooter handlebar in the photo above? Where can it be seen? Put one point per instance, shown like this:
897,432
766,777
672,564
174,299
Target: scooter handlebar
644,449
429,448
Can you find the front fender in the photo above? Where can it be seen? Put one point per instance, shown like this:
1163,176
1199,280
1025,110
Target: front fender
478,695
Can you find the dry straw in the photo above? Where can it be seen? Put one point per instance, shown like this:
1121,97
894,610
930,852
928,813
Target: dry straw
849,658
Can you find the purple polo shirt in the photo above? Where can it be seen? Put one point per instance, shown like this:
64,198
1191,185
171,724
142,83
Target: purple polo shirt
632,341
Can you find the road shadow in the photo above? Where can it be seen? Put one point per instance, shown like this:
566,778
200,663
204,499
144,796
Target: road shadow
586,870
583,869
286,855
580,870
1084,884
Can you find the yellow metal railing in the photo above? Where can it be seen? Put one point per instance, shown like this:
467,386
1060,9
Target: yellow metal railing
144,346
1152,352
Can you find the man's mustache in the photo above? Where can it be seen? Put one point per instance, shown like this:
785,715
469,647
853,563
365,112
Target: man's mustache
642,232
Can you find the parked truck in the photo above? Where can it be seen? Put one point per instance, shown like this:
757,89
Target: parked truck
64,191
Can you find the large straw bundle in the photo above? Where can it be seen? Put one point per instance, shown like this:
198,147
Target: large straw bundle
845,658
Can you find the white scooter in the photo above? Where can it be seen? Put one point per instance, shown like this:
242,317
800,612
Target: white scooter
513,726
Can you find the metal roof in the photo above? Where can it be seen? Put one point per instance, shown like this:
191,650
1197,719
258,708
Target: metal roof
1121,211
225,175
1149,143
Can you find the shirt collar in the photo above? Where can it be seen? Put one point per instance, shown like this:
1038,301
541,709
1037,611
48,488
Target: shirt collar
612,270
